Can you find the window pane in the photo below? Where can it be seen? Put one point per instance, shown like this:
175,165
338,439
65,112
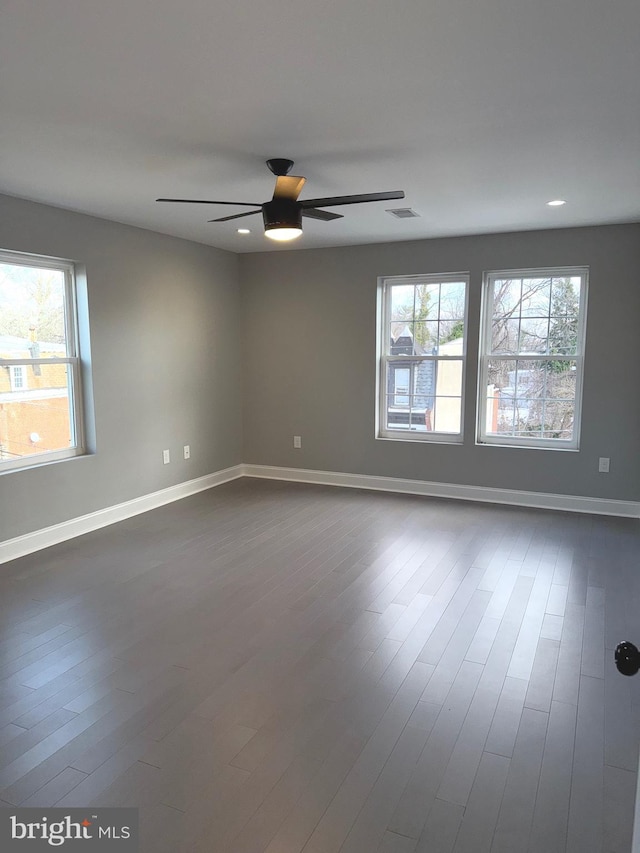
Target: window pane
427,301
563,327
563,335
564,435
501,372
505,335
32,308
565,295
534,335
36,418
506,297
451,330
418,420
397,417
447,414
529,398
449,378
426,337
496,420
401,341
452,300
535,297
426,377
561,379
402,302
408,416
402,385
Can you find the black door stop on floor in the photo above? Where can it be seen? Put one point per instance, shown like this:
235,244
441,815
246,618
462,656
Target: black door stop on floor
627,658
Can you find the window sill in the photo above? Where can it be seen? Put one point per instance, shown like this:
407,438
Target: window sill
504,446
441,439
16,467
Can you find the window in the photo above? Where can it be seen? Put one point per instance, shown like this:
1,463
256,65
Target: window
17,377
421,357
40,404
531,357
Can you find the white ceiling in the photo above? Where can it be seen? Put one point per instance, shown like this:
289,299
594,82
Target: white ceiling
480,110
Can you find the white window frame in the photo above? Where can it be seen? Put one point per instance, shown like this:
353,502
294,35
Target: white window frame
16,370
385,284
485,356
71,360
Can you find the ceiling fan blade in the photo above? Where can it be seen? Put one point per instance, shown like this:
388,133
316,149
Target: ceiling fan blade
288,186
208,201
325,215
235,216
351,199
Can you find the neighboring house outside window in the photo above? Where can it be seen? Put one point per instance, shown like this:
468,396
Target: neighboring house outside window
421,357
531,357
40,387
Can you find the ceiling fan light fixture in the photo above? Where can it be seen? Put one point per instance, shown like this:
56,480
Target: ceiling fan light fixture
282,219
282,216
282,233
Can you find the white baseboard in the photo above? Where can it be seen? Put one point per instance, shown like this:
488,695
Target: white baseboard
11,549
541,500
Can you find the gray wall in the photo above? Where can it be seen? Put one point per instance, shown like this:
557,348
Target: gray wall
309,329
193,345
164,327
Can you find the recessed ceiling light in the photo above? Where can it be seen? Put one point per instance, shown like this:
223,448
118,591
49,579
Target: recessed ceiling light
557,202
243,231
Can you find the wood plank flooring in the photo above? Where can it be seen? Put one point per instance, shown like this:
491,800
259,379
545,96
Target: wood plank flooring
302,669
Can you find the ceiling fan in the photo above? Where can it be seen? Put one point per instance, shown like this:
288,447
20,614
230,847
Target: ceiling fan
282,215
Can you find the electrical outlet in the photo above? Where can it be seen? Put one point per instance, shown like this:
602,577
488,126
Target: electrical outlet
187,452
603,464
166,457
297,441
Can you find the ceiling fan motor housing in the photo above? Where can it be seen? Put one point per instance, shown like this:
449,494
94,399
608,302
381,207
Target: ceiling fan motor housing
280,165
282,213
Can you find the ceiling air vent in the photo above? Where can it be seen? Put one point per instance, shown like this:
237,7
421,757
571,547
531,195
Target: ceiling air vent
403,213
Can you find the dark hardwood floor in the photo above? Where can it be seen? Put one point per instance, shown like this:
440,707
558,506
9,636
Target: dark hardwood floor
284,668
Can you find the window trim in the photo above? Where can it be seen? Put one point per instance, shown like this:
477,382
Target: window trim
71,359
12,378
383,322
484,356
